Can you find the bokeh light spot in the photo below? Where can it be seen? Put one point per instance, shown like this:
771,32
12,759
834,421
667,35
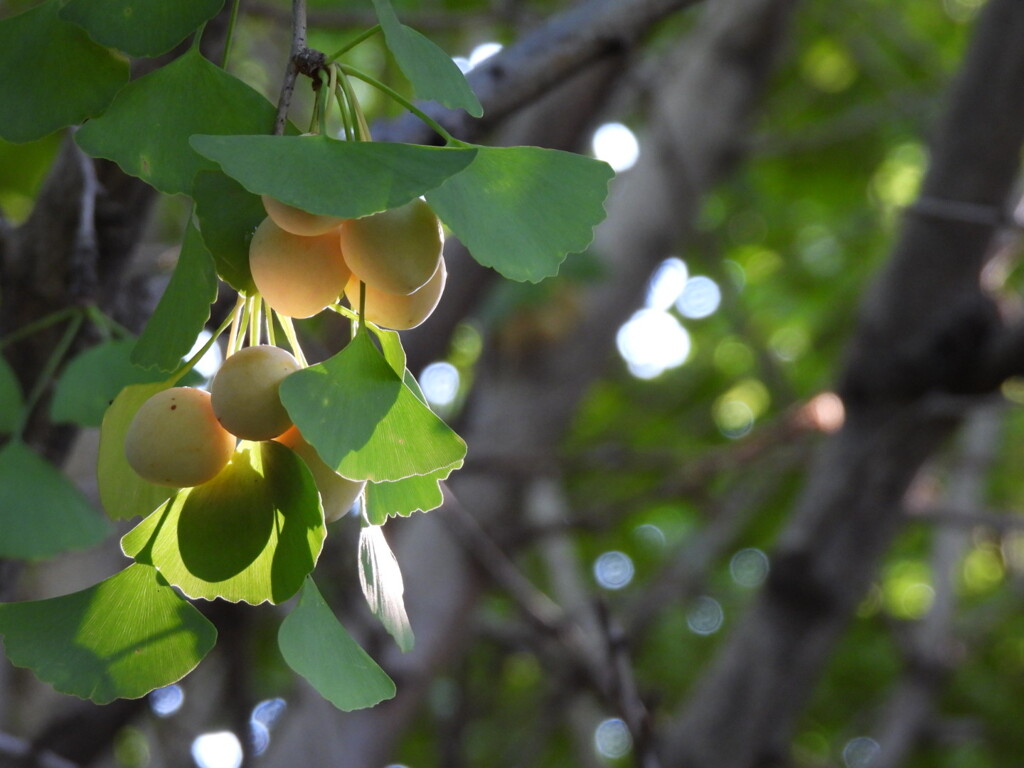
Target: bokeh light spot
666,284
828,66
167,700
861,752
700,297
221,749
440,383
705,616
651,342
898,178
617,145
983,569
749,567
483,52
612,738
613,570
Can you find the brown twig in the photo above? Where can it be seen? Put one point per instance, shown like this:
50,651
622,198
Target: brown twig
292,71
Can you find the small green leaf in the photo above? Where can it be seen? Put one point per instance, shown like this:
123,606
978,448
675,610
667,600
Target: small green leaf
122,492
431,71
54,75
228,215
404,497
11,400
93,379
381,580
316,646
146,129
41,511
391,346
252,533
330,177
362,420
520,210
120,638
183,310
140,27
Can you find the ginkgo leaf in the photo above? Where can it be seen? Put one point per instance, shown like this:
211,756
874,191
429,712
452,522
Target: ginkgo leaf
188,96
521,210
432,72
251,534
54,75
41,511
316,645
381,580
121,638
348,179
140,27
363,421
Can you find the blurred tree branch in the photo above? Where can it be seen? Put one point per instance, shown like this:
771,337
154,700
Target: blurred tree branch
921,330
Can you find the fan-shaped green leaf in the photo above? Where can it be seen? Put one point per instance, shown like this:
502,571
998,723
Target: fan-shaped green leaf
140,27
362,420
330,177
520,210
54,75
121,638
228,215
433,74
11,400
183,310
381,580
252,533
41,511
146,129
316,646
92,380
404,497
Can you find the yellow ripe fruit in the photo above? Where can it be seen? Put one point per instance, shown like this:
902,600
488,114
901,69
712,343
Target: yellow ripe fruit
395,311
337,493
244,392
175,439
298,276
395,251
299,222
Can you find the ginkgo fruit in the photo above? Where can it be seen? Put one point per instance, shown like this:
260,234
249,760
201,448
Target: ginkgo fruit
298,221
244,392
175,439
396,250
337,493
397,311
298,276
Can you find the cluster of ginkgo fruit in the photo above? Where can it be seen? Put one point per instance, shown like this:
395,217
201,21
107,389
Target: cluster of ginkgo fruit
301,263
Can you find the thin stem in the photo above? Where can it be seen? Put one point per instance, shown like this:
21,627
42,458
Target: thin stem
39,325
352,315
237,323
229,38
347,117
293,339
292,72
49,369
101,320
361,128
192,361
271,332
323,98
353,43
255,320
370,80
198,37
